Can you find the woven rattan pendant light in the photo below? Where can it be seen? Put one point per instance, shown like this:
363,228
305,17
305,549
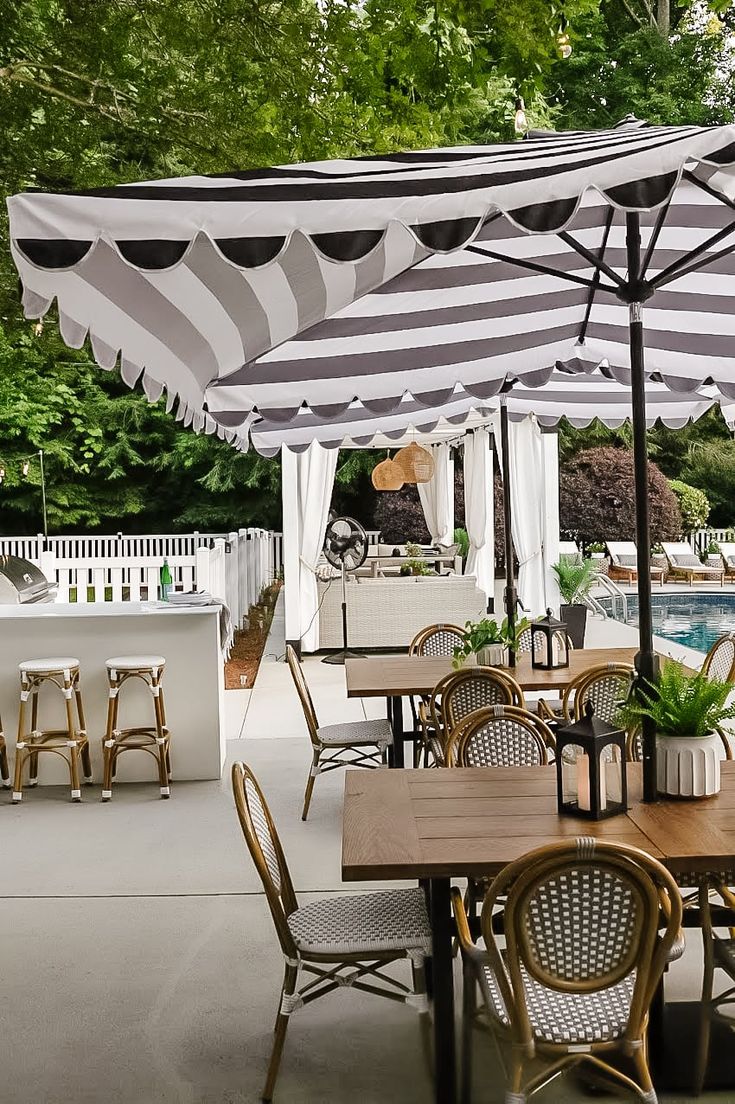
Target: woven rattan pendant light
387,476
416,464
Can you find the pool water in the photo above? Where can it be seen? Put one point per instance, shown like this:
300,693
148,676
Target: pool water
695,620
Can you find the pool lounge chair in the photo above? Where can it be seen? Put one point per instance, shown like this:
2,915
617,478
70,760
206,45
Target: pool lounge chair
569,550
683,564
727,552
624,563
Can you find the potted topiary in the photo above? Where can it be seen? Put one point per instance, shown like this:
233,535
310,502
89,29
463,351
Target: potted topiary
575,580
487,643
688,711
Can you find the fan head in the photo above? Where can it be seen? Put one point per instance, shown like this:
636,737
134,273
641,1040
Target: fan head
345,543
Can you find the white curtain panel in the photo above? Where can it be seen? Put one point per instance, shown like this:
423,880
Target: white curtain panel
437,497
526,495
478,509
315,468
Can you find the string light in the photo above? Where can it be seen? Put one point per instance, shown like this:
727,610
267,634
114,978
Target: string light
38,328
520,123
25,468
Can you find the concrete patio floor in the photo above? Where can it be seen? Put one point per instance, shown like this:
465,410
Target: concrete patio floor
138,960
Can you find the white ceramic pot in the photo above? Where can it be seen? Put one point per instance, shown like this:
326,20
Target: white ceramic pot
689,767
493,655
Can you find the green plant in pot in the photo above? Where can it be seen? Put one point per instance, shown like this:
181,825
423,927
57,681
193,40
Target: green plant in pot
488,642
575,581
688,711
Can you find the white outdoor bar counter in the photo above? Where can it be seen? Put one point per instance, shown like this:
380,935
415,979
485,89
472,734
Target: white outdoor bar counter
193,682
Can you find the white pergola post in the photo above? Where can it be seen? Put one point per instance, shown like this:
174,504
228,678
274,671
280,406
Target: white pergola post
550,514
291,545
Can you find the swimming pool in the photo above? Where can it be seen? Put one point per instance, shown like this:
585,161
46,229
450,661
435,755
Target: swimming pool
695,620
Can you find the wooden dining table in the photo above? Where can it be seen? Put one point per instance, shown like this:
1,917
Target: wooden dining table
433,825
395,677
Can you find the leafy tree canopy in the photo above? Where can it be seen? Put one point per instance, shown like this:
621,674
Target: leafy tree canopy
108,91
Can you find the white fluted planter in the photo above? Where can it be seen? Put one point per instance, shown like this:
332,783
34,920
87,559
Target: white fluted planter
493,655
688,767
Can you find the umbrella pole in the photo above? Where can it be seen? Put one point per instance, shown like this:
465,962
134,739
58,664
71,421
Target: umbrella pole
646,661
511,595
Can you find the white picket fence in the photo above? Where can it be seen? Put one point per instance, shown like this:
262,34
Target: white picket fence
234,567
700,539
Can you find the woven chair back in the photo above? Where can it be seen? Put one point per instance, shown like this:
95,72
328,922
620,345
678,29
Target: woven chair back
581,916
605,687
302,689
524,641
719,663
436,640
501,736
475,688
265,850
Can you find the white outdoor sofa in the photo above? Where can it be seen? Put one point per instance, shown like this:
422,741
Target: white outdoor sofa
387,613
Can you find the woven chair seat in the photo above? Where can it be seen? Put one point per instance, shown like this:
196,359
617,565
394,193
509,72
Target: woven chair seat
558,1017
356,733
363,924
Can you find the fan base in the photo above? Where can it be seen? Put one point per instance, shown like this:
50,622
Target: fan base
342,655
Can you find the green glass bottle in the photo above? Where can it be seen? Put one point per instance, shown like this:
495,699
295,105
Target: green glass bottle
165,580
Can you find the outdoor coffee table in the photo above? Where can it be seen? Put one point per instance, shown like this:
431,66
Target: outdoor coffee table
395,677
433,825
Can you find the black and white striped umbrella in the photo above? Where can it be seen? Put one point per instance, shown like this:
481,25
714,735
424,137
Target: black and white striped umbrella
581,399
185,284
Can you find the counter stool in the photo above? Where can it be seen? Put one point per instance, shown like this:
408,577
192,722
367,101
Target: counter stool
151,738
69,743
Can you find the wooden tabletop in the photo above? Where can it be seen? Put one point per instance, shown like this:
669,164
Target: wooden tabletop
403,675
459,821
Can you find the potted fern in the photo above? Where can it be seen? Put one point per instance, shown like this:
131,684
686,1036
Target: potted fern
575,581
688,711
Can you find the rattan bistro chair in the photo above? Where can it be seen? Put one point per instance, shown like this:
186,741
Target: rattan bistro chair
606,687
462,692
719,663
343,941
350,744
434,640
582,961
500,736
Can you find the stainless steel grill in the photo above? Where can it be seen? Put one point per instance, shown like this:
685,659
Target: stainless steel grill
22,583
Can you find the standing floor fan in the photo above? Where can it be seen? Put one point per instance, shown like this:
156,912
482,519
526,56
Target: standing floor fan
345,547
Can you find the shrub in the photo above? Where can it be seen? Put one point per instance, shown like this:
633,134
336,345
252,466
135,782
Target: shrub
597,498
693,503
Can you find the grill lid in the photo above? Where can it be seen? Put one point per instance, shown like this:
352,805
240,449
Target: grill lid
28,580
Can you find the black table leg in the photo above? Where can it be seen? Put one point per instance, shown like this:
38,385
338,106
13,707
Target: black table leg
395,716
445,1059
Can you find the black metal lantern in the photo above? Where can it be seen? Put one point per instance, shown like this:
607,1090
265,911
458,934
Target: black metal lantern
549,643
591,778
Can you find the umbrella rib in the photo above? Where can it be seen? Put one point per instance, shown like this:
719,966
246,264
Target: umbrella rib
596,277
594,260
660,220
668,276
704,187
532,266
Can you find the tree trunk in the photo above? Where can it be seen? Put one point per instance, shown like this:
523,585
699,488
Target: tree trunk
663,17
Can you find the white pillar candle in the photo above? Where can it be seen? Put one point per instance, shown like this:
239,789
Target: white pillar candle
583,785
